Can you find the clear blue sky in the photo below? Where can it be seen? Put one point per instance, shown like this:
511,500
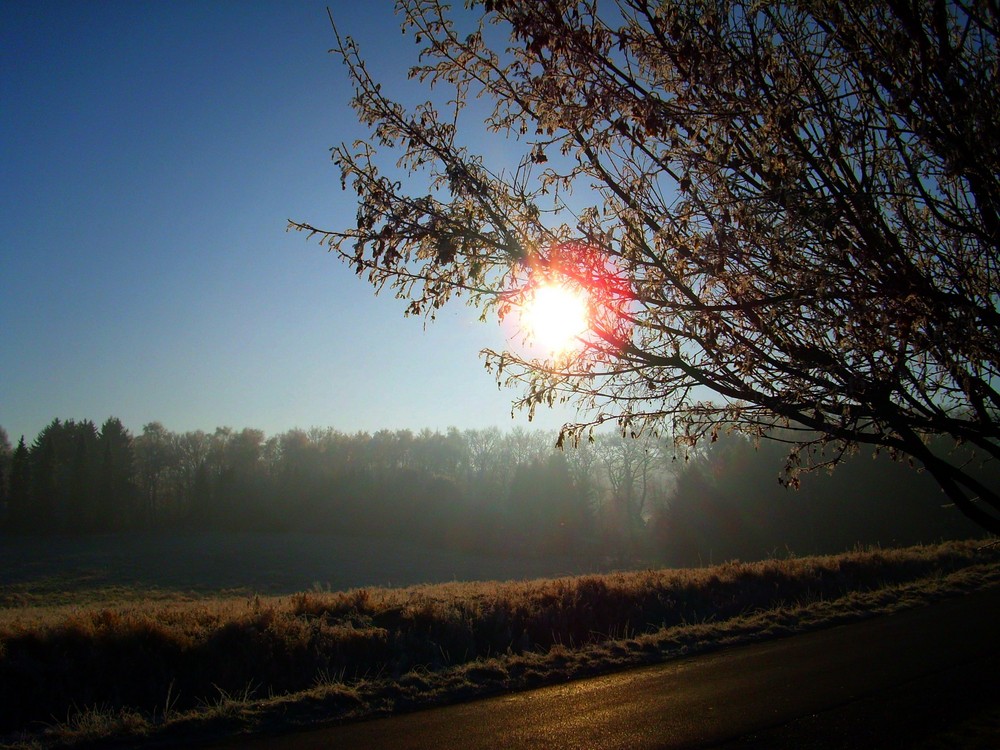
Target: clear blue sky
150,155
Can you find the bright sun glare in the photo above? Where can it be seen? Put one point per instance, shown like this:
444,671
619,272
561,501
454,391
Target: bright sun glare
555,316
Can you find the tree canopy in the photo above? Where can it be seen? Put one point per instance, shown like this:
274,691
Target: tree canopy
480,492
784,214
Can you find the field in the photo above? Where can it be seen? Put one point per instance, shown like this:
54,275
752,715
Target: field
257,563
133,647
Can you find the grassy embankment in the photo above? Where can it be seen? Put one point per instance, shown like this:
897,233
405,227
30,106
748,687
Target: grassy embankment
177,667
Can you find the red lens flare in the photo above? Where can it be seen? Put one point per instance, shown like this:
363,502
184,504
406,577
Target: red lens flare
568,298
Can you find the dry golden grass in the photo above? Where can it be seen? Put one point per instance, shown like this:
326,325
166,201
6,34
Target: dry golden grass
126,665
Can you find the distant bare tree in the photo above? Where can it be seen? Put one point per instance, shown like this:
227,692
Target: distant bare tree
634,473
156,460
786,213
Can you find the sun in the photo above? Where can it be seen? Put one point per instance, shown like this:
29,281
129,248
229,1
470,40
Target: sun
568,302
554,316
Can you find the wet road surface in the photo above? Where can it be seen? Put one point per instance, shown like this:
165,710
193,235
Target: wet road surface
891,678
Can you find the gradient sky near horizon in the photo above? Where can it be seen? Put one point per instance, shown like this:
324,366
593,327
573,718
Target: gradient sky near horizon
150,156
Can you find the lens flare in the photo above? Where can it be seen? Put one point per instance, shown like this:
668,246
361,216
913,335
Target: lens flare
555,316
567,299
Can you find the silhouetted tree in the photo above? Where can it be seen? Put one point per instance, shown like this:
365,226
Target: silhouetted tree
48,474
5,458
794,206
116,494
81,491
443,454
243,485
635,483
583,463
20,489
486,468
155,456
194,485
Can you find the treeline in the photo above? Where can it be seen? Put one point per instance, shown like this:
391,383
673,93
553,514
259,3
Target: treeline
727,503
476,490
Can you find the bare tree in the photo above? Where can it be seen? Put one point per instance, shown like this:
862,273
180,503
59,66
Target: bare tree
632,470
786,214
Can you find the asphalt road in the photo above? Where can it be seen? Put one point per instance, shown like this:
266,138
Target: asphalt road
884,682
